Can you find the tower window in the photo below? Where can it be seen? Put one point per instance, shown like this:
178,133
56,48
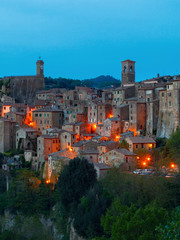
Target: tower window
124,68
131,69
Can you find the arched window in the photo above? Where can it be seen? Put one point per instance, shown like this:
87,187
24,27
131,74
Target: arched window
124,68
131,68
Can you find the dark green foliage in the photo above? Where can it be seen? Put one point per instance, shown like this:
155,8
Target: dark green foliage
9,235
1,159
172,148
172,229
142,190
2,181
99,82
74,182
160,142
27,196
124,144
89,212
130,223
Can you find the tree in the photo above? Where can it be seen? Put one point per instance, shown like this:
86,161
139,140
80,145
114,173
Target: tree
130,223
88,215
74,182
172,229
124,144
172,148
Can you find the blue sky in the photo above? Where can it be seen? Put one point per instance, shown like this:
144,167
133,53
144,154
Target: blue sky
87,38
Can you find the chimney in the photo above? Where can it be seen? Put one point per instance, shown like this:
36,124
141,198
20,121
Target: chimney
158,75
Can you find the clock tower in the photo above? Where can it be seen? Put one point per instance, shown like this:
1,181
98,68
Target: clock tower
40,68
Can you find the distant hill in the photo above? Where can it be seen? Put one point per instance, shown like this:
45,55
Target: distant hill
98,82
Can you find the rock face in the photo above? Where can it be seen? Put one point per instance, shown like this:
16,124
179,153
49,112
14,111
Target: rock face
169,109
73,234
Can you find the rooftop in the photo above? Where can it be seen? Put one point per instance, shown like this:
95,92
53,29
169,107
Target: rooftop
141,139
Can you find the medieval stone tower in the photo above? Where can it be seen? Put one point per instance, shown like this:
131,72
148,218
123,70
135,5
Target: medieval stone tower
40,68
128,73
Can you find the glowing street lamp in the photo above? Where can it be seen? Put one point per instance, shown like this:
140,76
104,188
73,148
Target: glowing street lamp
172,165
144,163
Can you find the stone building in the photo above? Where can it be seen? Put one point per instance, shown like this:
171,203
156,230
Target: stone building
112,127
121,111
136,143
7,135
56,162
120,157
122,93
26,139
48,117
106,146
169,109
137,115
67,139
128,73
98,112
24,88
46,145
18,117
90,155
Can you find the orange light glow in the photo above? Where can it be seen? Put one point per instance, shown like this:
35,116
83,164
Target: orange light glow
148,158
47,181
117,137
133,130
150,145
172,165
110,116
137,158
144,163
94,125
70,149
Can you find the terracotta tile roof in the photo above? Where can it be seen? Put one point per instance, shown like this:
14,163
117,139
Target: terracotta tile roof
65,153
125,152
86,152
141,139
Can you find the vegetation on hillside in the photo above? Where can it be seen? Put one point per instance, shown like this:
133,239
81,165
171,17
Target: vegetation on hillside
98,82
121,206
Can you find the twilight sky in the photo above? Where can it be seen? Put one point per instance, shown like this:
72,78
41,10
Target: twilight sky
87,38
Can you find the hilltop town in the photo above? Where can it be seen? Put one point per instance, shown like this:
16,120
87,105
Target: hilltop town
51,127
76,160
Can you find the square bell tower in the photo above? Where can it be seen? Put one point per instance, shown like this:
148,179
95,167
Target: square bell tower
128,73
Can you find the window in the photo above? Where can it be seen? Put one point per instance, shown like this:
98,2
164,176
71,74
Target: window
126,159
131,118
142,145
45,115
162,95
4,108
131,69
136,146
106,158
169,94
36,114
65,136
169,104
91,157
148,99
40,114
